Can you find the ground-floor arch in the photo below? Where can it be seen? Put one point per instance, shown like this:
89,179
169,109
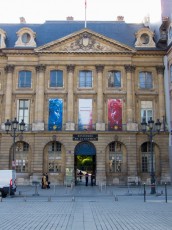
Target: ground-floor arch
85,163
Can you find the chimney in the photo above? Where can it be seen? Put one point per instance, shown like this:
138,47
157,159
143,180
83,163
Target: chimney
22,20
69,18
120,18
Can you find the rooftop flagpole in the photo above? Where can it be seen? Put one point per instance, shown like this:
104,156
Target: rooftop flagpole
85,14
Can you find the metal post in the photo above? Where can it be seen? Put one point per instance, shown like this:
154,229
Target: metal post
153,189
14,141
165,192
144,193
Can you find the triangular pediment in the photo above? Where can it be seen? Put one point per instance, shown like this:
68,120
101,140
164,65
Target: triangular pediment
84,41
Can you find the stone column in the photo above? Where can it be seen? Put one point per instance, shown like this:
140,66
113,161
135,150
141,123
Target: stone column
160,73
39,104
130,104
9,69
70,99
100,125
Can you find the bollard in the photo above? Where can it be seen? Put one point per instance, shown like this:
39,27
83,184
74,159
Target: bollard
0,196
73,198
49,199
165,192
144,193
116,198
25,199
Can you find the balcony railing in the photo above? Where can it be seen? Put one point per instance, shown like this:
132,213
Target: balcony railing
86,127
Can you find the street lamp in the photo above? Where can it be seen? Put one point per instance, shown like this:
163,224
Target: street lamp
12,127
152,130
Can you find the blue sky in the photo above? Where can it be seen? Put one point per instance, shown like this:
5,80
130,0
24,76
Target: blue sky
38,11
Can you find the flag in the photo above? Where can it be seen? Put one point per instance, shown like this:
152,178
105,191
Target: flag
85,3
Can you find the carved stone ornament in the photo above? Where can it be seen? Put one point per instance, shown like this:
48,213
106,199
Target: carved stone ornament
86,42
144,38
2,40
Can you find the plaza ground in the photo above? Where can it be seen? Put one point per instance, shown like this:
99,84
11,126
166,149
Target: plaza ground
82,208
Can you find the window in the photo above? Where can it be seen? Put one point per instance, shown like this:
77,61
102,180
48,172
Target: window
24,80
170,33
26,38
146,110
54,157
56,78
85,78
171,73
114,79
115,157
21,154
146,157
23,112
144,38
145,80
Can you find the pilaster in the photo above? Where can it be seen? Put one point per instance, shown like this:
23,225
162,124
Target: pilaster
131,126
39,105
9,69
100,125
70,99
160,73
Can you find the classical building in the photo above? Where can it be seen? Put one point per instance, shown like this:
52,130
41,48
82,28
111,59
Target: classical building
166,38
83,94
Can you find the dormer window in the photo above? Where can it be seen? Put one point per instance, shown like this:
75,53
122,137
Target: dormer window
26,38
144,38
2,39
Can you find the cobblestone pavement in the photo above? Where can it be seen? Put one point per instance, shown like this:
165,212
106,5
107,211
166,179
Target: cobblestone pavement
82,208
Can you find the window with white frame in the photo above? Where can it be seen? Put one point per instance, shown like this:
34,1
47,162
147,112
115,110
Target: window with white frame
21,156
146,157
85,79
56,78
146,110
145,80
115,157
23,111
114,79
54,157
24,79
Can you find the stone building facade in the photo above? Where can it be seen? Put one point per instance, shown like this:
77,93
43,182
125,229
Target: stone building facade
83,93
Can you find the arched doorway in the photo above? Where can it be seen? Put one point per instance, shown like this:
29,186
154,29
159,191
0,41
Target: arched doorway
85,161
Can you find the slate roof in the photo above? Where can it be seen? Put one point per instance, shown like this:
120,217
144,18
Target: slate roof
53,30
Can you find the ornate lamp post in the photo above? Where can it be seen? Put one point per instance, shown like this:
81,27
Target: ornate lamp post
12,128
152,130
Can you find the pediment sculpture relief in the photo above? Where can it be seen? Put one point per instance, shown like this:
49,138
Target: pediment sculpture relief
86,43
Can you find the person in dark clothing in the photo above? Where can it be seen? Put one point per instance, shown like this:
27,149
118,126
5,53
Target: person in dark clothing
86,179
80,175
47,181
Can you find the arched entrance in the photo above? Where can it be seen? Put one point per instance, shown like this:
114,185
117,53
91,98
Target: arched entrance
85,161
